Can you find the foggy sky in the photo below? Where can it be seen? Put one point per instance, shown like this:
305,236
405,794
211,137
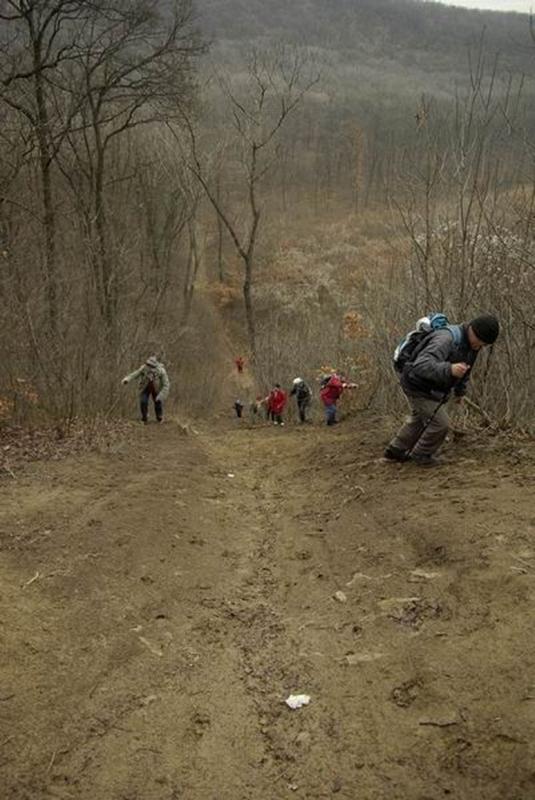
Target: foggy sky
495,5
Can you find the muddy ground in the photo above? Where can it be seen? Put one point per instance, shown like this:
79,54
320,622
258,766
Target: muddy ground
155,613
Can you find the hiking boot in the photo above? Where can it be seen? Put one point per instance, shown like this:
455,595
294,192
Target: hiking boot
426,460
395,454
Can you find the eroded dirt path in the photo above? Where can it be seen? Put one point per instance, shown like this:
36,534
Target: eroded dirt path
155,613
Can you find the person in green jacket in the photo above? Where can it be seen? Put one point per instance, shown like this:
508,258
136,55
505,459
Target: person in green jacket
152,382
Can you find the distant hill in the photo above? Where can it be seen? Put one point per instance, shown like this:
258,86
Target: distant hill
414,33
377,59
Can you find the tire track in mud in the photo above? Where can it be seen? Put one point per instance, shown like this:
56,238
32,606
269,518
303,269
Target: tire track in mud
259,629
270,628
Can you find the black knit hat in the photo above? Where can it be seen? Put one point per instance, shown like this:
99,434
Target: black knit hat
486,328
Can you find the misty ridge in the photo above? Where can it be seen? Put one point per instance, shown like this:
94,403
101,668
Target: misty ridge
388,50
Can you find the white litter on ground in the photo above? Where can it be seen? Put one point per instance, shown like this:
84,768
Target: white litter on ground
297,700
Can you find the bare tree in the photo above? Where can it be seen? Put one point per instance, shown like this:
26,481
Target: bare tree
275,84
39,38
79,83
136,67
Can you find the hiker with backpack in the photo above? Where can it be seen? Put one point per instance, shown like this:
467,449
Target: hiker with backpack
434,360
152,382
332,387
303,396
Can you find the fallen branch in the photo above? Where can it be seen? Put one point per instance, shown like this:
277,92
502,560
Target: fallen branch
482,413
438,723
150,646
525,564
51,764
35,577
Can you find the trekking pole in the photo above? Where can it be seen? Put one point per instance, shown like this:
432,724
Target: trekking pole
429,421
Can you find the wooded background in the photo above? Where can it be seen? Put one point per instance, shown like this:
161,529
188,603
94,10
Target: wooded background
297,182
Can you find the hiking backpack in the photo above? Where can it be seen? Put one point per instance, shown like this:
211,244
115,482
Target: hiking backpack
413,343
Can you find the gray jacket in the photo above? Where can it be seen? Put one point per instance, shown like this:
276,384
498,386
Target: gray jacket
146,374
429,375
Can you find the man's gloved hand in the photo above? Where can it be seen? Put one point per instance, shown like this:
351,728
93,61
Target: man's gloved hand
158,399
124,381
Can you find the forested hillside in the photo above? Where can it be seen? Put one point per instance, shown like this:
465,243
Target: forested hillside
169,174
382,65
425,38
403,179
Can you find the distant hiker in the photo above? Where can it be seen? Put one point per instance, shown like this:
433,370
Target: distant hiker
442,362
277,403
254,408
238,408
152,382
332,387
265,402
240,363
303,396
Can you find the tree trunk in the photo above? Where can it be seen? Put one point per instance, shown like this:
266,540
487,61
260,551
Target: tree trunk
45,164
105,266
220,268
249,309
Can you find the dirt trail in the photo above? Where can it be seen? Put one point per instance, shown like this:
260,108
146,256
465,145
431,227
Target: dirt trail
155,613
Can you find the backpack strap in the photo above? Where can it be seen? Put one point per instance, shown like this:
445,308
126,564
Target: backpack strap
456,333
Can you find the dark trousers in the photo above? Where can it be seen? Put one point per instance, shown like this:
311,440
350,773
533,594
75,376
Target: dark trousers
144,404
302,406
330,414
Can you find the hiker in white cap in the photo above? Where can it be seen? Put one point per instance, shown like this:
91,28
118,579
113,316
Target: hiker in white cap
303,395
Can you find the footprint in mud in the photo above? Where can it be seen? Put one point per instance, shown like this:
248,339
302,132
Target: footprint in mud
200,723
438,554
412,611
432,553
405,695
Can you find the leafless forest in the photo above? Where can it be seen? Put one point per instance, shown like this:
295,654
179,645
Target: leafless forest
200,181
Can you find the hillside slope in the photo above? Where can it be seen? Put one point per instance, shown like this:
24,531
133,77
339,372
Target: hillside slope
154,617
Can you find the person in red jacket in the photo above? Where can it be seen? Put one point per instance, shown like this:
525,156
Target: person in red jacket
277,403
330,393
240,363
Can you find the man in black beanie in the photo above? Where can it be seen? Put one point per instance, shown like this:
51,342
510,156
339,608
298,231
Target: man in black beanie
442,363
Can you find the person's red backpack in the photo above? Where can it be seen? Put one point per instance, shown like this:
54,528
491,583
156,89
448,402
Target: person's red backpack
332,390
